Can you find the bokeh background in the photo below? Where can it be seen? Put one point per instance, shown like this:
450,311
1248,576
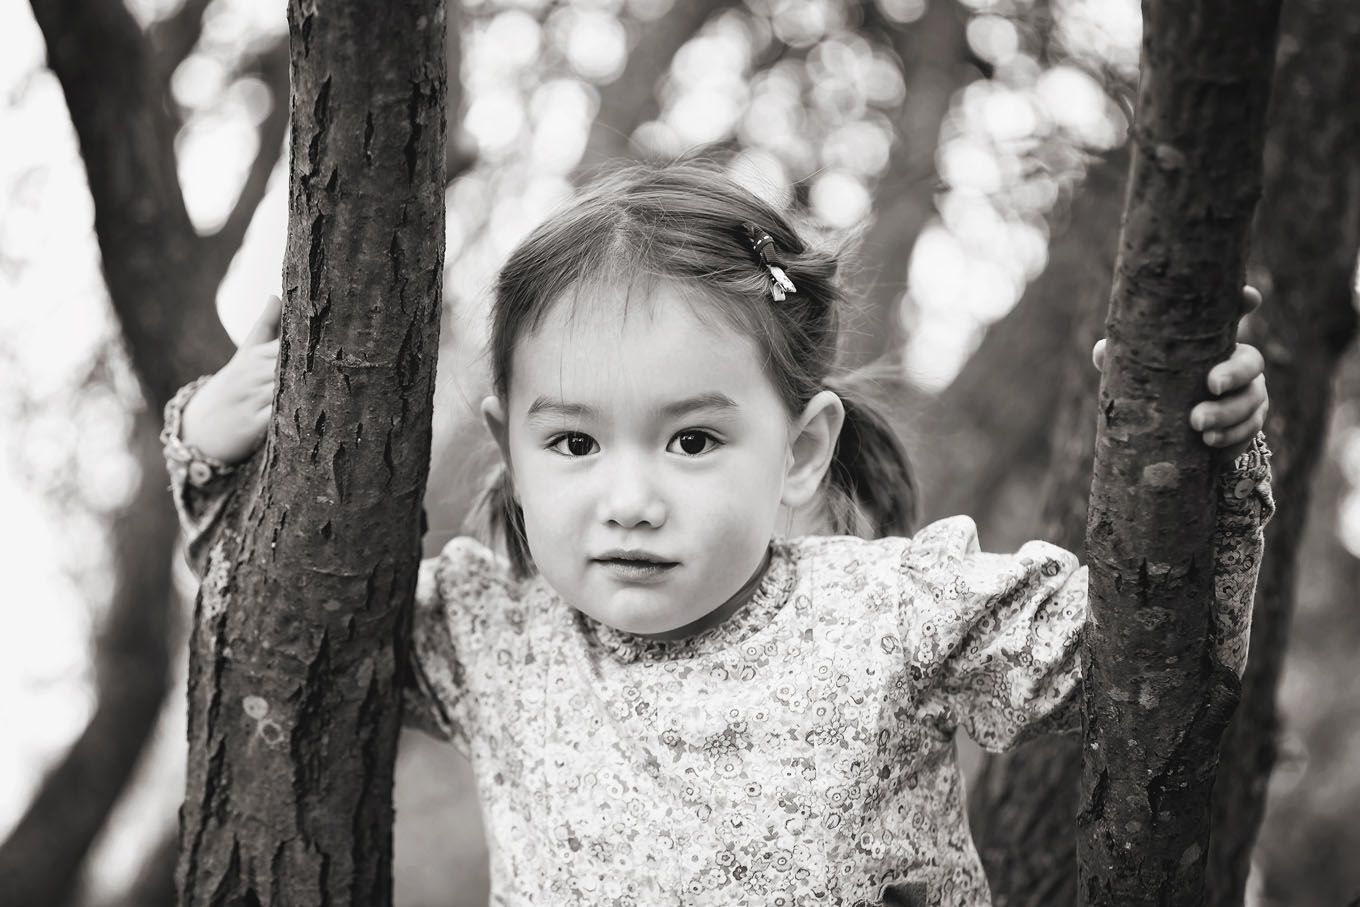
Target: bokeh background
949,144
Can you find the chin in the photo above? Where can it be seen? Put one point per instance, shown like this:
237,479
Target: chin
645,627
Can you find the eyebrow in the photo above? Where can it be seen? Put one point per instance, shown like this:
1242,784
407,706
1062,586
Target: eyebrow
710,401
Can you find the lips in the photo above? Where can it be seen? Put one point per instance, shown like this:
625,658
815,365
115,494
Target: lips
635,565
634,555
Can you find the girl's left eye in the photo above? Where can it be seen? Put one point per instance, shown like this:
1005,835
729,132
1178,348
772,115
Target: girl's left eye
692,443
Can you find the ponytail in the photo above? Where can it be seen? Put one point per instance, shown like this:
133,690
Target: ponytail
500,520
870,488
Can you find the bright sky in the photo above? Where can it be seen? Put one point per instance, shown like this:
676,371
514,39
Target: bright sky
969,268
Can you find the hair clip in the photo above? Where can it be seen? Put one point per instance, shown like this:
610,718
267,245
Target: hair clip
760,241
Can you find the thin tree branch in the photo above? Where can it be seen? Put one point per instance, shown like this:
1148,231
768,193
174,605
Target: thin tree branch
151,253
935,64
630,100
272,68
175,36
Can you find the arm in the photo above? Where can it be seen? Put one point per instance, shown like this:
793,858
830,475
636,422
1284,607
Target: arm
468,627
1245,505
999,635
1015,670
213,425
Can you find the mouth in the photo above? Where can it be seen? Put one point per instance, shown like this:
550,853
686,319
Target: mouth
635,565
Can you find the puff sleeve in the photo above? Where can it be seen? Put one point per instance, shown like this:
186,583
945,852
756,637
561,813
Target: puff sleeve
201,493
463,598
997,636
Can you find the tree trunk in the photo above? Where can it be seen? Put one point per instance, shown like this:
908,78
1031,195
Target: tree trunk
294,703
1307,234
1025,800
1155,702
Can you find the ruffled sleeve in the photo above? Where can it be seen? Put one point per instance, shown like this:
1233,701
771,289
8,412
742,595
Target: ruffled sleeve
1245,505
993,637
463,596
996,636
201,488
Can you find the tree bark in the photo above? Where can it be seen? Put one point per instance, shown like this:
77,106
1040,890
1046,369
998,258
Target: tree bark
1155,702
294,704
1308,231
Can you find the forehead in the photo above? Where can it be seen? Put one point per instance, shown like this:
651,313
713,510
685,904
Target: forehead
612,345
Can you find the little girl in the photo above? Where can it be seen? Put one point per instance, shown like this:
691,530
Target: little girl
669,693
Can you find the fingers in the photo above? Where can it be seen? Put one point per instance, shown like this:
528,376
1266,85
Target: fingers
262,395
260,421
1239,433
266,327
1231,409
1098,355
1251,300
1237,371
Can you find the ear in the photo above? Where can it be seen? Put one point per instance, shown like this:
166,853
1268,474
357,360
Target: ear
493,414
813,444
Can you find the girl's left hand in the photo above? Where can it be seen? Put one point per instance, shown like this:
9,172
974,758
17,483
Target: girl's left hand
1238,385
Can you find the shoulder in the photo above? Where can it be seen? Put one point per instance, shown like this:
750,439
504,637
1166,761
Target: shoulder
948,551
942,562
463,565
943,543
468,584
837,559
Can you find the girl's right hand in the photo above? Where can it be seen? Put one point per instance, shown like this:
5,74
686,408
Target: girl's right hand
226,418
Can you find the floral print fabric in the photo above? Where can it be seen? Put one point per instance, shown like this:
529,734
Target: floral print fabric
799,753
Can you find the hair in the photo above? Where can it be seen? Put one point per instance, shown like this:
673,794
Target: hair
684,222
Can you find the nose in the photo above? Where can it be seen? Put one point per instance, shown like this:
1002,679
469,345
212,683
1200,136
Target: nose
632,496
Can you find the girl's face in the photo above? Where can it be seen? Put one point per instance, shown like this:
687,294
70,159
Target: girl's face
651,456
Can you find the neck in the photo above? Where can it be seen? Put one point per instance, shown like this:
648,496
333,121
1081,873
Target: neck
723,611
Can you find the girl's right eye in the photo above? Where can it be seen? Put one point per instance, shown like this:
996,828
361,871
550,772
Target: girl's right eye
574,444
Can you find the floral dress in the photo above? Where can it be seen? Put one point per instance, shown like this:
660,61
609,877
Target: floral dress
801,752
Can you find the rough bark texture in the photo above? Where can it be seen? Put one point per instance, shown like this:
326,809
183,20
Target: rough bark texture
293,699
1023,807
1155,702
1308,230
